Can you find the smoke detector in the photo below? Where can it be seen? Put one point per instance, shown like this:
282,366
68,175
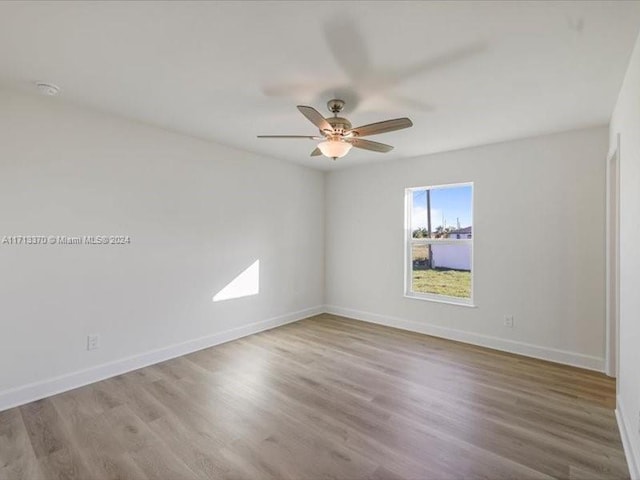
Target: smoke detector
48,89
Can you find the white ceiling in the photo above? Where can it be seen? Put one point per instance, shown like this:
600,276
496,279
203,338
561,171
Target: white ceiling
466,73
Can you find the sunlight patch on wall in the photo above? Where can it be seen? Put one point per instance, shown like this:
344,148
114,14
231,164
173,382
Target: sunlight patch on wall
244,285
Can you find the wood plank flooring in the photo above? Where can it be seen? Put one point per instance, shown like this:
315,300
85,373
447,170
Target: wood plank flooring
325,398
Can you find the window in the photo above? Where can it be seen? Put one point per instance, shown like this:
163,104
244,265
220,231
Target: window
439,243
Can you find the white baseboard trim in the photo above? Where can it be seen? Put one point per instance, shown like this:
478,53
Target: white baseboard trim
46,388
496,343
633,457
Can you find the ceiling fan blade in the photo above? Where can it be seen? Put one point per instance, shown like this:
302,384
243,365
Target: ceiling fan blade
294,90
316,152
369,145
382,127
310,137
315,117
347,44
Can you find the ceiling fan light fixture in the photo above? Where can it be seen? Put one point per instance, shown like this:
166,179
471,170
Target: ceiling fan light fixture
334,148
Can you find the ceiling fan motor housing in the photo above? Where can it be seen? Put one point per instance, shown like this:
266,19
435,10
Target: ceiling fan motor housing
340,125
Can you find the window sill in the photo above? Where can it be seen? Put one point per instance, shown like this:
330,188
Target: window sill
440,299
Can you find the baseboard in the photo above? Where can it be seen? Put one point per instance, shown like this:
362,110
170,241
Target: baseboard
37,390
511,346
633,457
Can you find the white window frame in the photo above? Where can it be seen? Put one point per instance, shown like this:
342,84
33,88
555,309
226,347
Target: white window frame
410,241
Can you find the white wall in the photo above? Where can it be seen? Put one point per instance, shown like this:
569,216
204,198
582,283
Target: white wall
198,214
451,256
626,122
539,245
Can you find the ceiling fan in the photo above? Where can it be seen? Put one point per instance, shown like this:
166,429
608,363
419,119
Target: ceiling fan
338,136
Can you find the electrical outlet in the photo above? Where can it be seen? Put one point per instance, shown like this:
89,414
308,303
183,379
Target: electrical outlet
93,342
508,321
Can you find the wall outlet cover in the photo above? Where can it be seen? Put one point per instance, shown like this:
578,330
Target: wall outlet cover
93,342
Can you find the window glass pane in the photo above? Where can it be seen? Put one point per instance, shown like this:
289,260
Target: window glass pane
441,269
449,214
419,217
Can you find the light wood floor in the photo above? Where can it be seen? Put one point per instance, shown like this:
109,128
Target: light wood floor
325,398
